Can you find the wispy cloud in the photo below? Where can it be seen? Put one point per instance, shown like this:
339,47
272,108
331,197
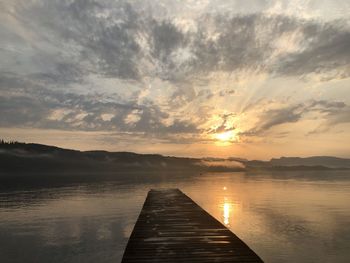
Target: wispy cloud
176,71
331,113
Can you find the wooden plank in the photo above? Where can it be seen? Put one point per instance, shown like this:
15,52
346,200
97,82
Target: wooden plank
173,228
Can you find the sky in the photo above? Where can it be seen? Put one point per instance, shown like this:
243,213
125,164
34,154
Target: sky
247,78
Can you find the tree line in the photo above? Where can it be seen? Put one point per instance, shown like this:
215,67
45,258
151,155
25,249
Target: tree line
11,142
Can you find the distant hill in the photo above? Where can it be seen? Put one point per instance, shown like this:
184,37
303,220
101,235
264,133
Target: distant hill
328,161
37,158
288,163
40,159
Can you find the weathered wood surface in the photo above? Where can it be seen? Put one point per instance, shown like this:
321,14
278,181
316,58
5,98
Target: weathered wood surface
173,228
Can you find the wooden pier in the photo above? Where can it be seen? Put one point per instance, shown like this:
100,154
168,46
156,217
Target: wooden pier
173,228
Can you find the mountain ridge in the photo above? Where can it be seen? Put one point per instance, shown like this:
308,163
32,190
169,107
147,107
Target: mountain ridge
17,156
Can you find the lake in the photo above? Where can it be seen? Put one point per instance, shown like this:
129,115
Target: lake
283,216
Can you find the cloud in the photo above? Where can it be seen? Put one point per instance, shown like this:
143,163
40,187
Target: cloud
89,65
326,51
248,42
226,124
274,117
331,112
166,38
339,117
229,92
20,110
36,106
324,106
96,37
334,116
117,39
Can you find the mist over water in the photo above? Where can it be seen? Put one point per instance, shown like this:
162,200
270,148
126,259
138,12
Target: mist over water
283,216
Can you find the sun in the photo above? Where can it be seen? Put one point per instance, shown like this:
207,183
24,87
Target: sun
227,136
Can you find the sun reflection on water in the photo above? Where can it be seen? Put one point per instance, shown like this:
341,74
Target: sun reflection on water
226,214
227,209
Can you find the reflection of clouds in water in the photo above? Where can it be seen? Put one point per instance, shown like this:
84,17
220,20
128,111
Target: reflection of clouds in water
92,223
128,229
286,225
104,232
75,226
78,240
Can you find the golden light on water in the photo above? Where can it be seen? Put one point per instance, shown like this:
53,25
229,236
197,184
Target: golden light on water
227,209
227,212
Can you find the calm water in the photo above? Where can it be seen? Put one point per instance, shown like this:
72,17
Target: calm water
284,217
